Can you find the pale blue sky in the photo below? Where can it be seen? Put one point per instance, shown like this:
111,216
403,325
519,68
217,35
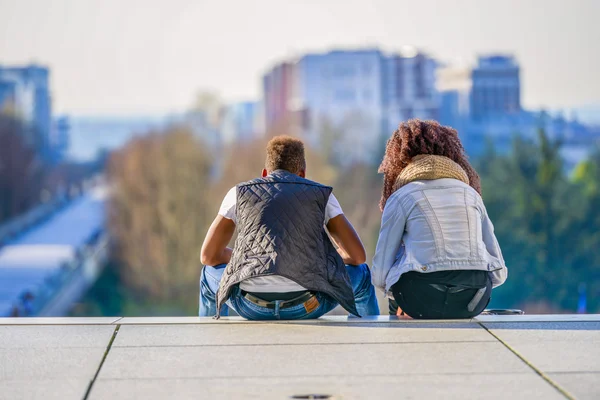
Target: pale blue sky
146,56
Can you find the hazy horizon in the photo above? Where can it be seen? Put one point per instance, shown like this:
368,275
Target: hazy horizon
149,57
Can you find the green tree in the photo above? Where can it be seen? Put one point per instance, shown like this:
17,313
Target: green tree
21,172
539,216
587,179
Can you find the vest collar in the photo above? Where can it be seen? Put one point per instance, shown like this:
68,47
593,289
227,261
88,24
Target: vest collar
282,172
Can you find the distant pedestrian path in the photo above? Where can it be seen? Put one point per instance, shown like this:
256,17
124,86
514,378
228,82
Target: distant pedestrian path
34,264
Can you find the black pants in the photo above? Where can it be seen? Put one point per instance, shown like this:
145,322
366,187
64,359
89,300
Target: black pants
442,295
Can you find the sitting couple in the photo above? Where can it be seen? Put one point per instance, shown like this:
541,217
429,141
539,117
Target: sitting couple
296,255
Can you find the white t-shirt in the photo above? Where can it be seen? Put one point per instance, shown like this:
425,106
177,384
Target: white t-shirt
272,283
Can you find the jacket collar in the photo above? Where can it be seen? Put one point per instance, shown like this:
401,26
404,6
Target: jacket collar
429,167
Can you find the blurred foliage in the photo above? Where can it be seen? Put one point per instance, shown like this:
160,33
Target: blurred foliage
21,172
158,215
25,179
547,223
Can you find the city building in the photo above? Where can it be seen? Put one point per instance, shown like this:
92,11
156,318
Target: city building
495,87
410,88
278,94
347,102
25,92
60,138
454,86
340,94
240,122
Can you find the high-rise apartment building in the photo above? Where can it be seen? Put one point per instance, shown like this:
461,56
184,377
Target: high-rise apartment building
278,92
25,92
410,90
341,96
496,88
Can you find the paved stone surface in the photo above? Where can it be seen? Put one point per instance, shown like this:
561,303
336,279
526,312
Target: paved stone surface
348,358
395,385
35,336
50,361
316,360
538,318
546,331
583,385
47,389
561,350
271,334
555,346
59,321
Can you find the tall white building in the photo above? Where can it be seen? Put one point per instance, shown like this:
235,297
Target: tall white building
341,95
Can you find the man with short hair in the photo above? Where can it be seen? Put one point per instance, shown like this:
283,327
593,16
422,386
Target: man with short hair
283,264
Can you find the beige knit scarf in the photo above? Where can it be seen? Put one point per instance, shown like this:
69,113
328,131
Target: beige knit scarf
429,167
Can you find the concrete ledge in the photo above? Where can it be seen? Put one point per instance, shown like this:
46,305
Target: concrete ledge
59,321
538,318
517,357
240,320
333,319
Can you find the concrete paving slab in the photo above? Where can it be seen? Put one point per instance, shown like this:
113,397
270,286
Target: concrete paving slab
318,360
50,336
546,331
560,356
538,318
43,389
554,347
49,363
582,385
278,334
497,386
59,321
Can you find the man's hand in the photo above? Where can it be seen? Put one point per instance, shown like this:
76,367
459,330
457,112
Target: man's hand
214,249
345,237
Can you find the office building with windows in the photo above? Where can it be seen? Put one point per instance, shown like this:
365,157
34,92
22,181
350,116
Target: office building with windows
496,87
25,93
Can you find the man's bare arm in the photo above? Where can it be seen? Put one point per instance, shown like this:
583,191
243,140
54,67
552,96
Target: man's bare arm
214,249
350,247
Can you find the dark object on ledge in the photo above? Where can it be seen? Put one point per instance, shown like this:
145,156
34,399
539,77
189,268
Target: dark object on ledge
502,311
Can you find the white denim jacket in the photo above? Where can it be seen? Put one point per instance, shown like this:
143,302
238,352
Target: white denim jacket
435,225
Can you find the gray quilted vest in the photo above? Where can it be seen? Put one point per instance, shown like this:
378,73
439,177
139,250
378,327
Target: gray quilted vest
280,232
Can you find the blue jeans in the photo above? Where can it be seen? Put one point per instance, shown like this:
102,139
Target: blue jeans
360,278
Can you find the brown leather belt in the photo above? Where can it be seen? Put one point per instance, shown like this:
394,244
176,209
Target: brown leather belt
303,298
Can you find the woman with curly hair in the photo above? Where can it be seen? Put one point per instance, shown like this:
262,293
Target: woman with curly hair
437,255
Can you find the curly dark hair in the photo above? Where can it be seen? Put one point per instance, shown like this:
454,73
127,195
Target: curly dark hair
421,137
285,152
